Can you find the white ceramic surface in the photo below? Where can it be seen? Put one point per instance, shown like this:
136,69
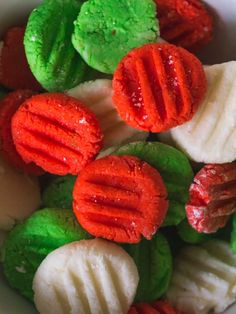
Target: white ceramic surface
223,48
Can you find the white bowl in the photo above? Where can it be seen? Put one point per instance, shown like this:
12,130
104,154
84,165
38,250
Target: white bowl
223,48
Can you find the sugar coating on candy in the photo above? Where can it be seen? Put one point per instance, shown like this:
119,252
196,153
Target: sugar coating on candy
57,132
89,276
158,307
97,95
212,197
19,195
120,198
106,30
58,194
154,262
204,278
8,106
175,170
14,69
50,53
158,86
185,23
210,136
30,242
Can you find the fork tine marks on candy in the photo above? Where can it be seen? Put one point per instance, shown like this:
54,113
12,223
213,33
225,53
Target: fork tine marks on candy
57,132
158,86
212,197
120,198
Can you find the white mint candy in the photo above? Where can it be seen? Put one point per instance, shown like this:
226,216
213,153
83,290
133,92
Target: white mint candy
210,136
204,278
86,277
19,196
97,95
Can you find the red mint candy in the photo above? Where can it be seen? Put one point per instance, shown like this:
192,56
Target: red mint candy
212,197
158,307
185,23
14,69
120,198
57,132
158,86
8,107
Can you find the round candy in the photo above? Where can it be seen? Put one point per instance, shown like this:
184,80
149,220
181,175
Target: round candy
158,86
58,193
29,243
50,53
212,197
120,198
190,235
185,23
19,195
210,136
175,170
106,30
204,278
14,69
57,132
97,95
8,106
90,276
154,262
158,307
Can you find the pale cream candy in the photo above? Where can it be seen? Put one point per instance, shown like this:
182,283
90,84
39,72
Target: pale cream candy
19,196
86,277
204,278
210,136
97,95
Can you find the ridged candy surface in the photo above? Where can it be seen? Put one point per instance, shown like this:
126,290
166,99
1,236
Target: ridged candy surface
212,197
185,23
57,132
49,50
204,278
158,86
97,95
175,170
120,198
90,276
210,136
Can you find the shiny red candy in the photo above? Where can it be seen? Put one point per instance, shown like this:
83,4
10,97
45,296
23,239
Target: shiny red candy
212,197
185,23
158,86
120,198
57,132
15,72
8,106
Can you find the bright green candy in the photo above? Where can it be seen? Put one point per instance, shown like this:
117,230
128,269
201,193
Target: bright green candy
50,53
175,170
154,262
29,243
189,235
58,194
106,30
